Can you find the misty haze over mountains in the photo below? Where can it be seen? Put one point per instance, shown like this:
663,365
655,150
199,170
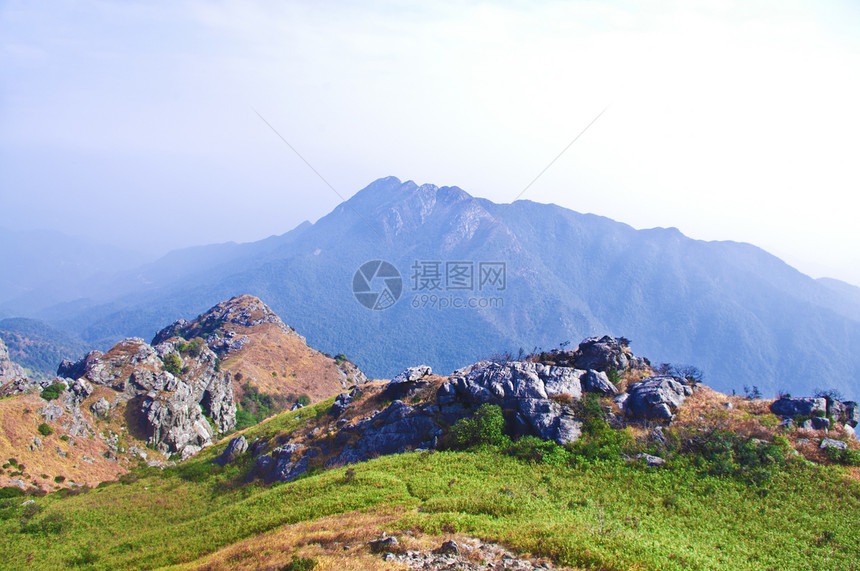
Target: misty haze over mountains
740,314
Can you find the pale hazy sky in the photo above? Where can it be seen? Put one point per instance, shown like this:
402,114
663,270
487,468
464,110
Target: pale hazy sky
135,123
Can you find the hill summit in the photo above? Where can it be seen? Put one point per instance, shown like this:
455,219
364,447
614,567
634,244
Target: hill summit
162,401
262,353
737,312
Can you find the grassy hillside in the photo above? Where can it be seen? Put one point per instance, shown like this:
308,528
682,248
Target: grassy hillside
595,514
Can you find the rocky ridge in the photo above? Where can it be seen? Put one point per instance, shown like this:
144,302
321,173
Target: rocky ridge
414,409
169,393
260,350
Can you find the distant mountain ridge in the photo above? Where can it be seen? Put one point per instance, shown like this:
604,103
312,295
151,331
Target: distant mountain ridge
742,315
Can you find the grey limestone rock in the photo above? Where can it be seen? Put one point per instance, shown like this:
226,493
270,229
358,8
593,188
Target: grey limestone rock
9,371
598,382
412,374
831,443
236,447
799,406
657,398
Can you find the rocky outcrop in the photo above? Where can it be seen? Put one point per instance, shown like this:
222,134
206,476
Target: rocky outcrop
240,311
9,371
396,429
657,398
263,351
791,407
604,353
412,374
535,398
524,390
172,403
831,443
237,446
283,464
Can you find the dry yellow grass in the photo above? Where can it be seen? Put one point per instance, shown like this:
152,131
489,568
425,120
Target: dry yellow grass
19,420
336,542
298,368
706,409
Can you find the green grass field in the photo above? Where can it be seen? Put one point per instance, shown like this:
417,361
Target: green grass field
597,515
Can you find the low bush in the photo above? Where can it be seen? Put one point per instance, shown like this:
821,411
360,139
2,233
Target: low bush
486,427
533,449
724,453
11,492
844,456
300,564
172,363
53,391
45,430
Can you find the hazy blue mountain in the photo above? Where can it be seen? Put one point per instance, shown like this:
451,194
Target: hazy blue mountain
39,347
739,313
39,268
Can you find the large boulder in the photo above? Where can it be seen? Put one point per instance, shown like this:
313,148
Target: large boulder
603,353
657,398
791,407
283,464
598,382
412,374
852,414
237,446
397,428
525,391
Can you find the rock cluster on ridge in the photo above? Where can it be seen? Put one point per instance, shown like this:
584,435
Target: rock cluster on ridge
262,352
415,408
168,392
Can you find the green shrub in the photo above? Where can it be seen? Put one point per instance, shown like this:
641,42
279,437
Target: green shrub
254,406
196,471
533,449
724,453
195,346
11,492
172,363
53,391
59,479
52,524
300,564
844,456
486,427
599,441
45,430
